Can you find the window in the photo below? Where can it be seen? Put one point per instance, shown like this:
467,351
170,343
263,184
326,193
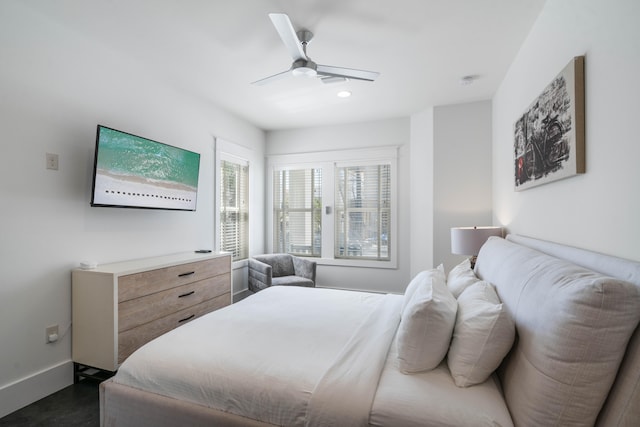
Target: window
297,216
363,212
234,208
337,206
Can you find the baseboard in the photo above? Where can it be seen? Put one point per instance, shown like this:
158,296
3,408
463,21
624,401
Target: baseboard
27,390
238,296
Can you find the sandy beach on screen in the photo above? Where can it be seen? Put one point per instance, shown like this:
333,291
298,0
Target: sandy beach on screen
113,189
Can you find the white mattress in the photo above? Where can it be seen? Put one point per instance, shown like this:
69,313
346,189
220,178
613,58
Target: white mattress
432,399
264,357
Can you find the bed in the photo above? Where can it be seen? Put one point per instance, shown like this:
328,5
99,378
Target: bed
324,357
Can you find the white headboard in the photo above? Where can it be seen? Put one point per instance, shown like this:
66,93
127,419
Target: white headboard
622,407
604,264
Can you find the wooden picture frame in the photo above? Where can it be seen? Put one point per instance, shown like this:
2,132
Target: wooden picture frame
549,137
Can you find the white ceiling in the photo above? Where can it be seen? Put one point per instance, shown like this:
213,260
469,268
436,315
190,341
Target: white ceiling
214,49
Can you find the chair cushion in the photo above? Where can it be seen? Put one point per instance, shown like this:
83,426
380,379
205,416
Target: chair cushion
292,281
281,264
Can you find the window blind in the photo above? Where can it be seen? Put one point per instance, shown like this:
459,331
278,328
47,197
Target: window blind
297,201
234,209
363,212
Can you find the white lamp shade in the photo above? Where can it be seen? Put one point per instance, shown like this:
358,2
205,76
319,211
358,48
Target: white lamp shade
469,240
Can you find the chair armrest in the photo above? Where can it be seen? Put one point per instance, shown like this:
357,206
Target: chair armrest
260,275
304,268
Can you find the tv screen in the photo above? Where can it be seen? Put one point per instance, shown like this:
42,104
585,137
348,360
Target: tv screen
135,172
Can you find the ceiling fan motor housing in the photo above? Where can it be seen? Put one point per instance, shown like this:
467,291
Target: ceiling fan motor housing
304,67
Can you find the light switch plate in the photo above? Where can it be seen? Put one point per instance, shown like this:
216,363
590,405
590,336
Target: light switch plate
52,161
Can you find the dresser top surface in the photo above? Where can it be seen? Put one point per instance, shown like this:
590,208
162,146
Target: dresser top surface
138,265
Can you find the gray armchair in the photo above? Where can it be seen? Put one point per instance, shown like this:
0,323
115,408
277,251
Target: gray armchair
280,269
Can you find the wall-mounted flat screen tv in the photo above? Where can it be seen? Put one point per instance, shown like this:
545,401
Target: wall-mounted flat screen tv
135,172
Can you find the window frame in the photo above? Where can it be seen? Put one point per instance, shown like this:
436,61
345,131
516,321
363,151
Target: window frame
378,209
232,158
328,161
311,210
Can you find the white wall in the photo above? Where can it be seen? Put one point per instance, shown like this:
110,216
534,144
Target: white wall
421,192
444,181
391,132
462,173
55,86
599,210
450,179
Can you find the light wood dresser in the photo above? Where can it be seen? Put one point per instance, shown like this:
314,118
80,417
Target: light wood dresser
116,308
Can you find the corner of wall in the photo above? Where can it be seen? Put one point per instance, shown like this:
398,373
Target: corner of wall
421,146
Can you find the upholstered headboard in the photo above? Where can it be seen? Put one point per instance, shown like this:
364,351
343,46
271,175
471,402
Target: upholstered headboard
622,407
608,265
574,311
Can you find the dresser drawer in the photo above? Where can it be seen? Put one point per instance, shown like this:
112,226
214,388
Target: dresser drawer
139,284
131,340
138,311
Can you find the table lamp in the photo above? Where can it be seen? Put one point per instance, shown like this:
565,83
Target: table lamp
469,240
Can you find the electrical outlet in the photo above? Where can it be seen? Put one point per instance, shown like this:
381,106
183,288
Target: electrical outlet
52,161
51,334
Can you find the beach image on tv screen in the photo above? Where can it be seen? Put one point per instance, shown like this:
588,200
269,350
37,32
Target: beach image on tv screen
137,172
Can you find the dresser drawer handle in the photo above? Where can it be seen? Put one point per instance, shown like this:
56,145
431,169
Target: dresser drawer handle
186,274
187,294
187,318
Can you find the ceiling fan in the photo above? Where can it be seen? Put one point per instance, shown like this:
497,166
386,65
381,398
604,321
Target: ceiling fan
302,64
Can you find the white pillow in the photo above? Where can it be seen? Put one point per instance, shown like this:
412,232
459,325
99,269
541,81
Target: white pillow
482,337
461,277
418,280
426,324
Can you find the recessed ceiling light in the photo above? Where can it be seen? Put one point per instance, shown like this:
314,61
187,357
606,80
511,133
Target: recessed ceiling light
467,80
344,94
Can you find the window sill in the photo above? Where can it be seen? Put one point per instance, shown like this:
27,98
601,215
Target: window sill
356,263
235,265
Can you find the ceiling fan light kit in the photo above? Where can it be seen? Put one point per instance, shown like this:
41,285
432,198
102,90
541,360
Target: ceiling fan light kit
296,43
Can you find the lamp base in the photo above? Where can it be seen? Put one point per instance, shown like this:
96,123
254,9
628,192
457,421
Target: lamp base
472,260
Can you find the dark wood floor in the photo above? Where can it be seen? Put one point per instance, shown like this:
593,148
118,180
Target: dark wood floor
73,406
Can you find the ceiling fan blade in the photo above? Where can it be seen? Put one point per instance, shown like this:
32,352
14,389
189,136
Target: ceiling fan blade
288,35
273,78
350,73
333,79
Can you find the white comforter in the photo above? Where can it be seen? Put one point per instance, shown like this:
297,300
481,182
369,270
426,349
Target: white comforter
304,356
